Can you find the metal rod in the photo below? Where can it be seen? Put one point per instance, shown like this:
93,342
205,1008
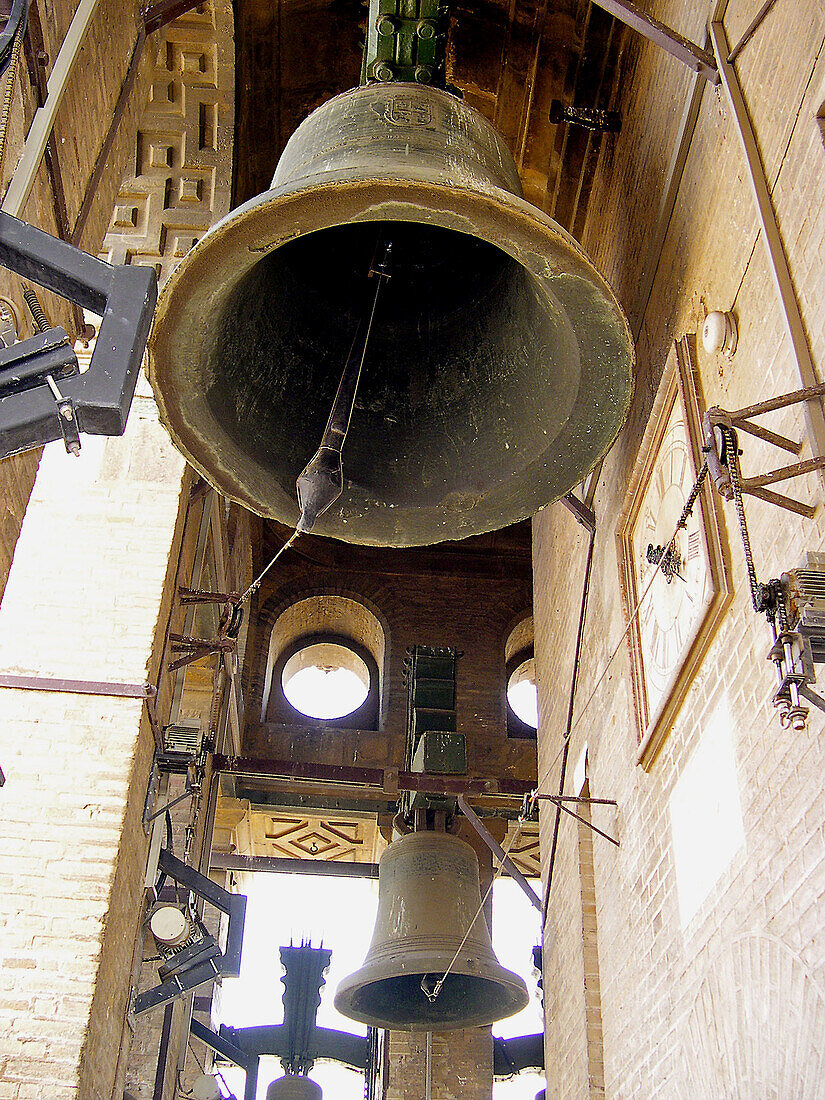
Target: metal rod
746,37
504,860
585,515
92,187
168,805
583,820
777,440
572,798
720,416
286,866
814,414
783,473
812,696
44,117
76,687
660,35
568,730
667,204
428,1080
163,1053
781,501
251,767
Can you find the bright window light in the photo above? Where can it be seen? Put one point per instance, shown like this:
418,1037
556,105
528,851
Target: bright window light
326,680
522,693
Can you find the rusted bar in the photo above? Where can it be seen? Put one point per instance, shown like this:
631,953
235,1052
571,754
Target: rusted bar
749,33
783,473
778,260
578,817
724,416
76,687
502,857
669,40
574,798
586,516
92,187
781,501
770,437
250,767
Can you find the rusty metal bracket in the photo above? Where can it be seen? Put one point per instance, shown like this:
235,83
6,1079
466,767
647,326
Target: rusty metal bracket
742,420
499,853
559,801
696,58
196,595
228,628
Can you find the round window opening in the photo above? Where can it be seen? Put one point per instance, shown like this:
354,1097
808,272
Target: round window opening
522,693
326,680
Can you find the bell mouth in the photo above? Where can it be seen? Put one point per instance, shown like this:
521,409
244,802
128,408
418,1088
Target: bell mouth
464,1000
498,372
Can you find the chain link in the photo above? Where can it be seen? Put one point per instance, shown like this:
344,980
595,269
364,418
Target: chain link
732,456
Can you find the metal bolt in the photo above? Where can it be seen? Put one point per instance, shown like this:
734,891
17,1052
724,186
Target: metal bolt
383,72
385,26
425,29
423,74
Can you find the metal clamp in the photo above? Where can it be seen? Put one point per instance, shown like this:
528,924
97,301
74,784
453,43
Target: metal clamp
99,399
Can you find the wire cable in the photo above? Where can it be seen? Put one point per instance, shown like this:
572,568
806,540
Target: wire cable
432,994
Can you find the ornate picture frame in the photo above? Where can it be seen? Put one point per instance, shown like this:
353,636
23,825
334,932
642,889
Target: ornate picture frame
671,616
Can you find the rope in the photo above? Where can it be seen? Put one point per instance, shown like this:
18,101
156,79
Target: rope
686,511
256,584
432,994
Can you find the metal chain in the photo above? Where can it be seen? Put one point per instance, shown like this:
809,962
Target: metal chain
732,456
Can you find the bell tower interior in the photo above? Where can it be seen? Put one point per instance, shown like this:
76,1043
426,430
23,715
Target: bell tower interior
570,579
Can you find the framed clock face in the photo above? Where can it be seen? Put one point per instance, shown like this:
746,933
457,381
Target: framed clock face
672,610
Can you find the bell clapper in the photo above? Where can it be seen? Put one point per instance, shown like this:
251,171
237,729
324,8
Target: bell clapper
321,481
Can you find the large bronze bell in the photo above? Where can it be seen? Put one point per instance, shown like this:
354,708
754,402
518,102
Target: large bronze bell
428,895
498,369
293,1088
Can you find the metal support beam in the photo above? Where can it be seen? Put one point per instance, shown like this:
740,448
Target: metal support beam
778,261
499,853
43,122
754,24
669,40
667,202
76,687
381,778
287,866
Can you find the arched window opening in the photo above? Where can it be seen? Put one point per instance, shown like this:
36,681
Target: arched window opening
326,654
522,687
326,678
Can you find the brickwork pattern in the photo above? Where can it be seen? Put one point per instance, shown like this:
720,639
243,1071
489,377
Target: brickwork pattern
107,51
82,602
658,982
473,614
183,157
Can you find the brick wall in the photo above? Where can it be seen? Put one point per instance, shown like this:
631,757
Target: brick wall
107,52
473,614
694,1011
83,601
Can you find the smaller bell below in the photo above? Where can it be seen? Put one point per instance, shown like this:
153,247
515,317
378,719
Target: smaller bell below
291,1087
428,897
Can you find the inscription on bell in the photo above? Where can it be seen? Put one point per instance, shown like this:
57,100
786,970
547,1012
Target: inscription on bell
408,110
